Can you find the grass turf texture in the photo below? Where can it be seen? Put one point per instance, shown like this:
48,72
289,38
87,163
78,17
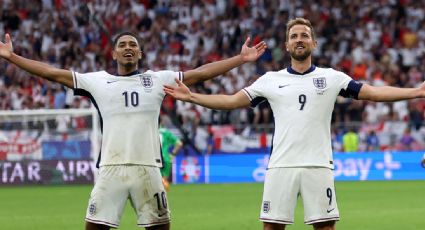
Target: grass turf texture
363,205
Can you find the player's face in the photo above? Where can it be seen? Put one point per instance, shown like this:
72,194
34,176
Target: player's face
127,51
300,43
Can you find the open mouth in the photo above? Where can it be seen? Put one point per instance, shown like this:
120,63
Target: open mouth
128,55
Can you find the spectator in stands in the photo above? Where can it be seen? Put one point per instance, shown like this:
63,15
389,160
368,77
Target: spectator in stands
372,141
59,98
350,44
336,138
407,142
416,115
350,141
374,112
210,143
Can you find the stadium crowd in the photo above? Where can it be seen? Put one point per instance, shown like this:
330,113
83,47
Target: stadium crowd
379,42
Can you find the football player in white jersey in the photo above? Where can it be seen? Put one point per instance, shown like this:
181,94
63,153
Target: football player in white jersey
423,161
302,98
128,103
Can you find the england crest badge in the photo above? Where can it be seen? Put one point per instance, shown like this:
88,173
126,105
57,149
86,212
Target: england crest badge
266,206
320,84
146,81
92,208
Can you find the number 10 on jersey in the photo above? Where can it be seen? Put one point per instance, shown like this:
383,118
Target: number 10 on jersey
132,97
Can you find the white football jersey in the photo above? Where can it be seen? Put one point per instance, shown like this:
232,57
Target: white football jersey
302,107
129,109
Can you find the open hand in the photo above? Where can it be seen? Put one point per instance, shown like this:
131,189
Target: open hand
252,53
180,92
6,48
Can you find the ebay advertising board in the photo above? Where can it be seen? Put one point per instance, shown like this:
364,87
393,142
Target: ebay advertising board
233,168
226,168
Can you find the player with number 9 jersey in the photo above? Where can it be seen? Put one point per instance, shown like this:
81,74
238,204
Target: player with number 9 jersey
302,98
301,154
302,107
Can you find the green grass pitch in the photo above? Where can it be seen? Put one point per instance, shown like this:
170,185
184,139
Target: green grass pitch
363,205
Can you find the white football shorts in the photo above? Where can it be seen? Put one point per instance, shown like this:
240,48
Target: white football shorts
315,185
142,185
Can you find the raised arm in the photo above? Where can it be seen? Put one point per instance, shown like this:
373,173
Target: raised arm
214,69
43,70
215,101
388,93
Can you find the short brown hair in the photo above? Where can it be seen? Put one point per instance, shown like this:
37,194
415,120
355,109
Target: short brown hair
299,21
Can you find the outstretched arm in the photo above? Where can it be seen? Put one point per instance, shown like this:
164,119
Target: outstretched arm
388,93
43,70
215,101
214,69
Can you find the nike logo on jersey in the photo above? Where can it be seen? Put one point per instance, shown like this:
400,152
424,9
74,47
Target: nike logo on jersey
328,211
109,82
281,86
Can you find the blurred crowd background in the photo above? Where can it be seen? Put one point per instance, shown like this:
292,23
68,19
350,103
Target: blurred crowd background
380,42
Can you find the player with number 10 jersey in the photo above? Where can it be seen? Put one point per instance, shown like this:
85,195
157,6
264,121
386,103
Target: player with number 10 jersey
129,108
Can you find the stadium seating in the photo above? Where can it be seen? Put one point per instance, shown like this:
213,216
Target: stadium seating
382,43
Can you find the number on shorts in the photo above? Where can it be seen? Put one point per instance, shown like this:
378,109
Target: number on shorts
161,200
329,195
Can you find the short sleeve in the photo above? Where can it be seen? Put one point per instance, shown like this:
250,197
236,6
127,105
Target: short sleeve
86,81
348,87
167,77
256,91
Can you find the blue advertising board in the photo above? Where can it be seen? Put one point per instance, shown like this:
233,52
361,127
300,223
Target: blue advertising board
237,168
233,168
379,166
189,169
70,150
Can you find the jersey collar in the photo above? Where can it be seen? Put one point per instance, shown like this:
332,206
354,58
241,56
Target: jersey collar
130,74
292,71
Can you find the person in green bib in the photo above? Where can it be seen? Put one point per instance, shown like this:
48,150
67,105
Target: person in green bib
168,141
350,141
